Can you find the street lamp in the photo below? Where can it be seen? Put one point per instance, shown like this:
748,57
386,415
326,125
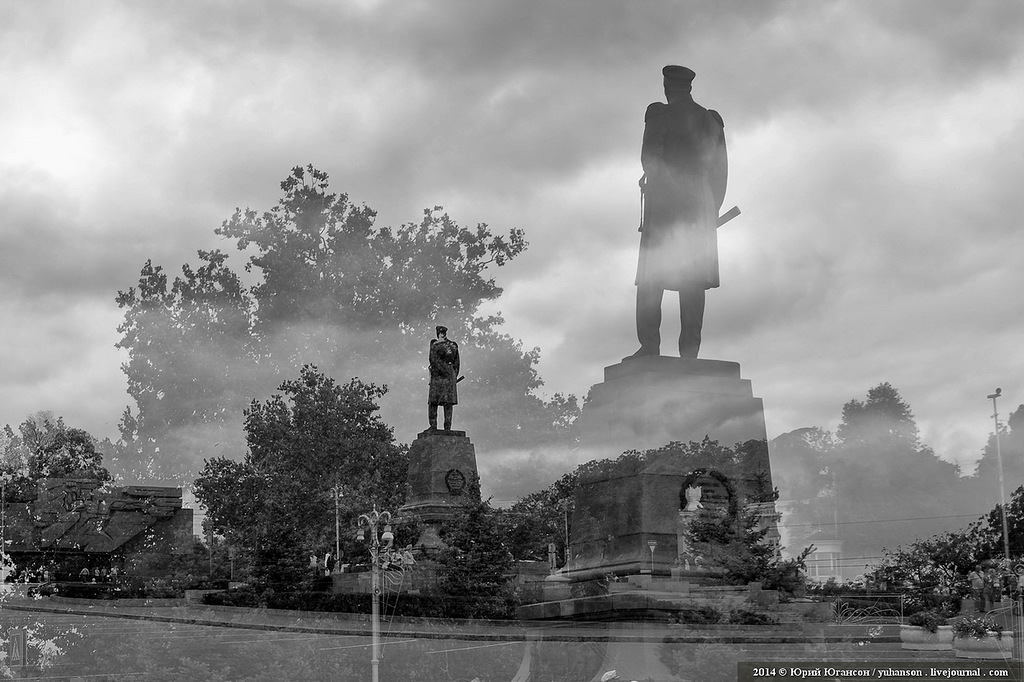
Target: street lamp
3,514
4,560
337,528
999,460
370,521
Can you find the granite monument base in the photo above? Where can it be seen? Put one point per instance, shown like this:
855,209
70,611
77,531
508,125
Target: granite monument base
649,401
626,517
442,470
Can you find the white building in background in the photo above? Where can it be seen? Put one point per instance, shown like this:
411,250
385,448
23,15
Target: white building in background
826,561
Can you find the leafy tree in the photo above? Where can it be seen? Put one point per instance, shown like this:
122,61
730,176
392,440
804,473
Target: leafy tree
874,479
1011,443
941,561
192,365
989,528
276,506
738,544
540,518
476,563
46,447
333,289
13,453
883,417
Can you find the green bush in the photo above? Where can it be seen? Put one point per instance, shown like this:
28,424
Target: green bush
947,605
745,617
977,627
930,620
705,615
405,605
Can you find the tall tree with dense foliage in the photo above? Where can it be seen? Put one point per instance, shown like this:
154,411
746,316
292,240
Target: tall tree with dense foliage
476,564
45,447
1011,444
884,418
276,507
944,560
873,481
933,564
541,518
192,366
331,288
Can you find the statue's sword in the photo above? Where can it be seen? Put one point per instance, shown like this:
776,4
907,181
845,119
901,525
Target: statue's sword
727,216
722,219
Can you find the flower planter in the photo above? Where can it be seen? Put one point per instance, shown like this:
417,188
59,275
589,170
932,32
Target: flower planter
989,646
917,638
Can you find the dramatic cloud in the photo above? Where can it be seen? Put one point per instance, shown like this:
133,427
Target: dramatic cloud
874,152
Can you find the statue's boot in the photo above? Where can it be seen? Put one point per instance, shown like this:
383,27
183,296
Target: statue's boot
642,353
691,319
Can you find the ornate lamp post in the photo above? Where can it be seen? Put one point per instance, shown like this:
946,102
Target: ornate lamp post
337,528
370,521
5,564
3,514
1002,492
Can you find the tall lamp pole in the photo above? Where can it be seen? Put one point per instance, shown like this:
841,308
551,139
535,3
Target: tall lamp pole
3,515
999,460
370,521
337,528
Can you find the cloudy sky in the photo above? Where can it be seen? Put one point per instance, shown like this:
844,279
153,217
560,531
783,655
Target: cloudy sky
875,151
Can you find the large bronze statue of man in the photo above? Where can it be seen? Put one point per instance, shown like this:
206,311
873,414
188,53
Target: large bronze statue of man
682,189
444,378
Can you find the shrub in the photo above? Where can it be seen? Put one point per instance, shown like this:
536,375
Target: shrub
705,615
406,605
947,605
930,620
977,627
745,617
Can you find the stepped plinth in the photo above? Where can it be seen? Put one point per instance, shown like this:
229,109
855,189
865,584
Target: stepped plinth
442,470
649,401
629,518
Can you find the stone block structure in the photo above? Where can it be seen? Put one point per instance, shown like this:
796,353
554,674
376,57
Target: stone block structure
78,523
442,469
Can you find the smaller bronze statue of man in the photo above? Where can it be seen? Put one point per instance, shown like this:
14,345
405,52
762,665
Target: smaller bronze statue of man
444,378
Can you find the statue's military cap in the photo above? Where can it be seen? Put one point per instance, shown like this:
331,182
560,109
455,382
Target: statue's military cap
678,75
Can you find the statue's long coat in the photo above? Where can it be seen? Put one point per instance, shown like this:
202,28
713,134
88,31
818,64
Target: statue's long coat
444,372
686,168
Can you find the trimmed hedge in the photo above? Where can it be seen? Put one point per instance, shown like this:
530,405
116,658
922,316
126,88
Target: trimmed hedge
405,605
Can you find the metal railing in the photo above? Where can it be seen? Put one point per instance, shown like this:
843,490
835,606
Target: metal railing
857,609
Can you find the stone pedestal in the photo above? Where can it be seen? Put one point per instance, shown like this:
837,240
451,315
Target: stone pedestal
644,404
442,468
649,401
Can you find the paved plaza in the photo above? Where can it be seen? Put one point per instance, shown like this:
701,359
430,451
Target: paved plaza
171,641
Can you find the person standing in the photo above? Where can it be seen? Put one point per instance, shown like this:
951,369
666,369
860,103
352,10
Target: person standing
685,174
444,378
976,579
993,588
